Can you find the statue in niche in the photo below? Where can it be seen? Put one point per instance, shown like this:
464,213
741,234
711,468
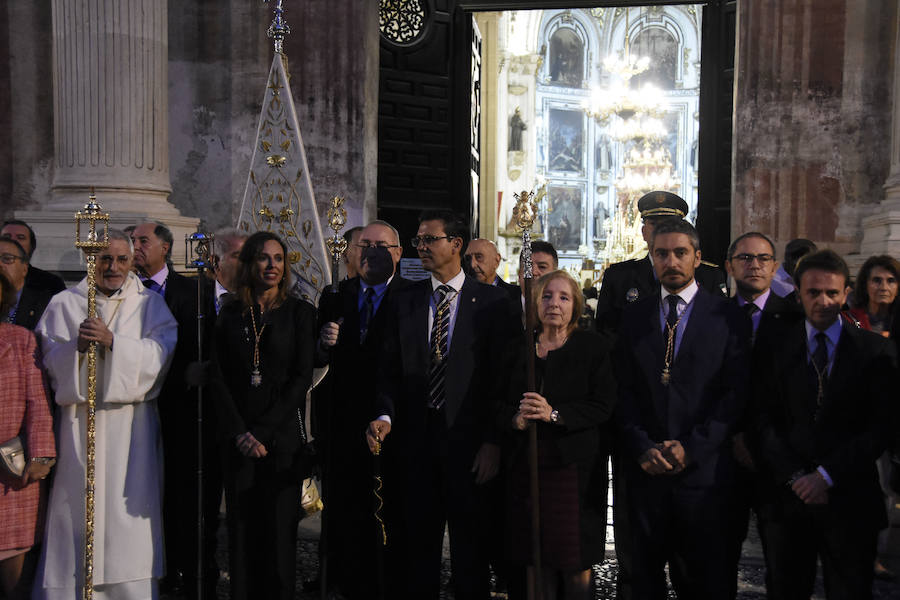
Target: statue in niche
516,127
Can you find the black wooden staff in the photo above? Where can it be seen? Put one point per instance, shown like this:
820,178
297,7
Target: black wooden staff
524,214
198,250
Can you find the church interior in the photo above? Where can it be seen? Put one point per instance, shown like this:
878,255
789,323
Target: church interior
773,115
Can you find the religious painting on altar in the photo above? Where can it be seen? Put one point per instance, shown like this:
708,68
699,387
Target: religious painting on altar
566,58
565,217
671,121
566,141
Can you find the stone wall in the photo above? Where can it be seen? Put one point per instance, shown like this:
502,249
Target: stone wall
219,58
812,123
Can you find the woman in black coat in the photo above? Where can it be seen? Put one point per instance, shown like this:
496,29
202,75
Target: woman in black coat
575,399
262,357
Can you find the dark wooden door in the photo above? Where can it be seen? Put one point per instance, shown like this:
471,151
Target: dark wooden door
428,152
716,113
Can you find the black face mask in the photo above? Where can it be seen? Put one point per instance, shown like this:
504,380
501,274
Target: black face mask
379,265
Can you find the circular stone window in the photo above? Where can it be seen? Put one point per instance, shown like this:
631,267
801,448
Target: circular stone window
402,21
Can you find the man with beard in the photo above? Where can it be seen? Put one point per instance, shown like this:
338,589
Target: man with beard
135,335
682,371
629,281
351,336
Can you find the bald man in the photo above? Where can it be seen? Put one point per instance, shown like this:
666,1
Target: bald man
484,259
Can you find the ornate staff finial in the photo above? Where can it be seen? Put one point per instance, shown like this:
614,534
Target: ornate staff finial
279,27
337,218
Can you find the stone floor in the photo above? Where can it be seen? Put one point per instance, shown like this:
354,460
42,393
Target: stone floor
750,577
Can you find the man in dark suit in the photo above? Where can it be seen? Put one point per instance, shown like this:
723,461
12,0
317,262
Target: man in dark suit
631,280
30,301
824,411
682,371
177,408
37,279
351,334
438,398
751,263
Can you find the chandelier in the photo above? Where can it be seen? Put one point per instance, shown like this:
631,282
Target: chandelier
646,170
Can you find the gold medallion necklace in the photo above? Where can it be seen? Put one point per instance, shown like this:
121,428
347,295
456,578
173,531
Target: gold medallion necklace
670,351
255,375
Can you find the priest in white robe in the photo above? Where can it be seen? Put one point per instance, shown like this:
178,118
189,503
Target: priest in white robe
136,336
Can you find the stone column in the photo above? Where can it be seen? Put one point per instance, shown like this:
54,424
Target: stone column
110,106
881,231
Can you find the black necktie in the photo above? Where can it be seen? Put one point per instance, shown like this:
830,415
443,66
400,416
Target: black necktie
751,309
440,330
365,314
820,355
672,316
222,300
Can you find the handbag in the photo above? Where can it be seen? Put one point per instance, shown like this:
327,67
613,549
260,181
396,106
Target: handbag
13,455
310,499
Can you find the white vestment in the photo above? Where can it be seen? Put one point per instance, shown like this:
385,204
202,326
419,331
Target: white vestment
128,544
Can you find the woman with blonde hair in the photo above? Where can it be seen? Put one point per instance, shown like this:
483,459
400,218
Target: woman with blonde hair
574,401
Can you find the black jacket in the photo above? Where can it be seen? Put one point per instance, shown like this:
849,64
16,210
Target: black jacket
627,282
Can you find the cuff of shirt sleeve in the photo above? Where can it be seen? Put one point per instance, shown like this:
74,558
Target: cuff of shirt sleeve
825,475
384,418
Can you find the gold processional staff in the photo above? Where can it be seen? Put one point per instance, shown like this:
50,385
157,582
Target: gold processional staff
92,244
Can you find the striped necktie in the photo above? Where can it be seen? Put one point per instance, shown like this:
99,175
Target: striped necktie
440,331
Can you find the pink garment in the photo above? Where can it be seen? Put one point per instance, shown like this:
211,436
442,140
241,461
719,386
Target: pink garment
24,411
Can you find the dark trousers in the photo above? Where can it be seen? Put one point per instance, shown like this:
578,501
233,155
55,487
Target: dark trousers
800,535
621,530
180,503
441,491
684,527
353,534
263,510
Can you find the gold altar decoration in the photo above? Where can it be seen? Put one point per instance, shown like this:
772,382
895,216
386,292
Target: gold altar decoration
91,244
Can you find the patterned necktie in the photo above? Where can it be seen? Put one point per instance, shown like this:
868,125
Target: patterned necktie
365,315
440,330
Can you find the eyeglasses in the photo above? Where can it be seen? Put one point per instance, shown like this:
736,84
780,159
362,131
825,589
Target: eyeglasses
428,240
365,245
8,259
748,259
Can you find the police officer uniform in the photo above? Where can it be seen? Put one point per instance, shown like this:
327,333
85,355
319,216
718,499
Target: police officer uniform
629,281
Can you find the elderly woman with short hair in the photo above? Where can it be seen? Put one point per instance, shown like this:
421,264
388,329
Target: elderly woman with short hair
574,400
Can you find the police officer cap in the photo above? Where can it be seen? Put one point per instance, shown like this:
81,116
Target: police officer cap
662,204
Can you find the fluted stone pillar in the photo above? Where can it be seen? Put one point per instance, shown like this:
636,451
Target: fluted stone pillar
881,231
110,106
